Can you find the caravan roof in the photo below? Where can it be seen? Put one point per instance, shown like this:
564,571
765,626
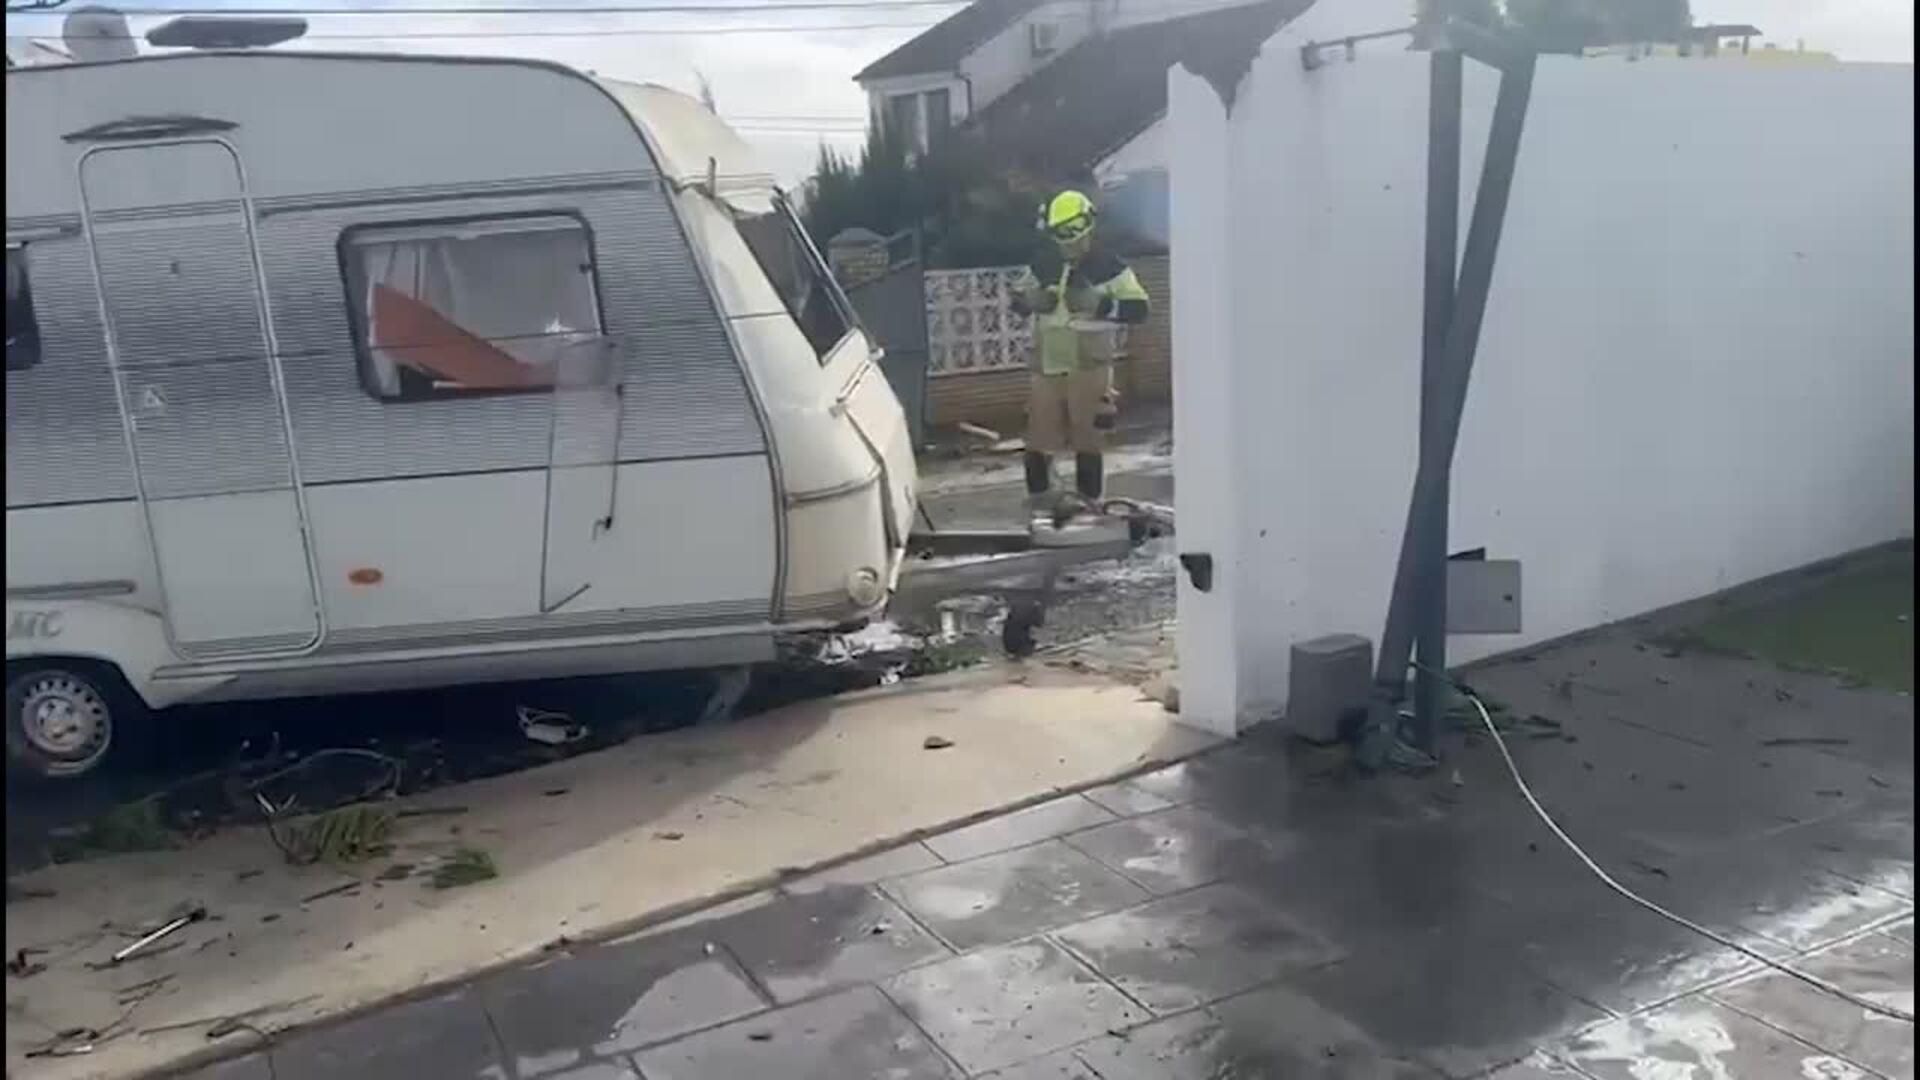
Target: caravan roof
319,129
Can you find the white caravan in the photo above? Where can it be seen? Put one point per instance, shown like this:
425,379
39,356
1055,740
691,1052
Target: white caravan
332,373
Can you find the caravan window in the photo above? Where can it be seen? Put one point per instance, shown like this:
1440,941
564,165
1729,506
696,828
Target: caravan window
23,330
454,308
806,287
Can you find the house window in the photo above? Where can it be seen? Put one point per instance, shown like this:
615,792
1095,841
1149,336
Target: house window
903,118
1044,38
470,307
23,330
939,115
806,287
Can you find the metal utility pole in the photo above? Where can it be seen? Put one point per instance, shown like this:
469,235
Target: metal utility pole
1446,72
1455,308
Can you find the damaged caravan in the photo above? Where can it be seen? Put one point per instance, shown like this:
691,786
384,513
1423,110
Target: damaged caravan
332,373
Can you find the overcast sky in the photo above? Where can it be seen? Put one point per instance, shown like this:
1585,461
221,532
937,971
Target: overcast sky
791,90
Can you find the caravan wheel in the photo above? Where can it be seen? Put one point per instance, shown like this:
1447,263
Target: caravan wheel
63,718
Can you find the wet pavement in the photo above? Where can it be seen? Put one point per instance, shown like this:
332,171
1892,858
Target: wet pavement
1261,911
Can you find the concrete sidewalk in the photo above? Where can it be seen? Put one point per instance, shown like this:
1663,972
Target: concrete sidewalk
1258,912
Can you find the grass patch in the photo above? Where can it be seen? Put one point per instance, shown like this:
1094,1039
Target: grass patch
1855,623
466,866
944,656
129,827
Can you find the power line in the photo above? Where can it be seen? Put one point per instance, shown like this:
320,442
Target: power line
43,7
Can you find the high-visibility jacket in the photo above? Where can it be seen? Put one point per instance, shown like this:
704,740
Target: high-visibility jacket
1097,286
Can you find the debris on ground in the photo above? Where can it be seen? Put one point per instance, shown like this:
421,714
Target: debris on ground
669,834
21,964
194,914
550,728
985,434
730,687
466,866
339,837
71,1042
936,742
368,774
331,890
20,893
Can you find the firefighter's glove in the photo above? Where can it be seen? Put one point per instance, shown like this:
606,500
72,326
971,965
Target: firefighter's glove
1035,302
1086,302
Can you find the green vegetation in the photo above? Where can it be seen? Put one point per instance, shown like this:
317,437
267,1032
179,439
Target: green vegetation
129,827
967,214
347,835
466,866
1856,622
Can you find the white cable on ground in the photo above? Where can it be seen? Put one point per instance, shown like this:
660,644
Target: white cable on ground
1817,983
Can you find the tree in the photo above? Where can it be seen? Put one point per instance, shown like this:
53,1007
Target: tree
967,212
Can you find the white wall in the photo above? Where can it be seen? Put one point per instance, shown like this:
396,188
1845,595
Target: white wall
1147,150
1006,59
1696,368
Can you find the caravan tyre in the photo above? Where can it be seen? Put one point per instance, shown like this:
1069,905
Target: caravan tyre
65,717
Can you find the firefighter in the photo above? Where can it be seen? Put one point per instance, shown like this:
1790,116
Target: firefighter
1076,294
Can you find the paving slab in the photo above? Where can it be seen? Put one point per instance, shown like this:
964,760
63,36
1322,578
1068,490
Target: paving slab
1125,799
251,1067
855,1033
1271,1035
1019,828
1871,843
605,1001
1448,1000
599,1070
1623,959
893,862
1874,967
1755,891
1183,951
1004,897
1356,886
1281,1032
643,830
1168,851
1698,1039
1004,1005
1540,1066
803,946
443,1036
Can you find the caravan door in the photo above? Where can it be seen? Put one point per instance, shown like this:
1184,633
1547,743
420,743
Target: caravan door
190,342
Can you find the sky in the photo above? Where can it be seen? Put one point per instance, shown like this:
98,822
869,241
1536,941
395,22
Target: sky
792,90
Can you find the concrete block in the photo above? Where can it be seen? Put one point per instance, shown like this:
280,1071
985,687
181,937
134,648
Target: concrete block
1328,679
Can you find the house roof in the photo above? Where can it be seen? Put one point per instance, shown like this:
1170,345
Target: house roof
1064,118
943,45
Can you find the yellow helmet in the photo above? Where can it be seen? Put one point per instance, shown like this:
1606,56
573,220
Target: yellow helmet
1068,216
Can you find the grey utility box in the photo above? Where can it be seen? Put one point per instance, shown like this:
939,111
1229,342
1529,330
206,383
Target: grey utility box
1483,596
1330,680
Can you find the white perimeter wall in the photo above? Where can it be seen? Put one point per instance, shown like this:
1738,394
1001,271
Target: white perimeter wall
1696,368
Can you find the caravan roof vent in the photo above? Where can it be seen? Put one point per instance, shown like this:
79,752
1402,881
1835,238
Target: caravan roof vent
96,34
225,32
